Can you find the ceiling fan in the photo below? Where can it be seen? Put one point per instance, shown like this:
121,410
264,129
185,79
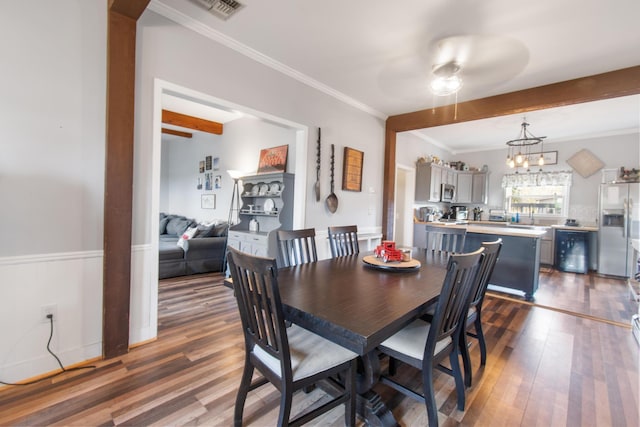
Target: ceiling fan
477,59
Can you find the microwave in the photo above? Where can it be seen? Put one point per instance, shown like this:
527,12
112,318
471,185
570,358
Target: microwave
447,192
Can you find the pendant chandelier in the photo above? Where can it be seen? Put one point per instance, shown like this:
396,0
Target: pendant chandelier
519,151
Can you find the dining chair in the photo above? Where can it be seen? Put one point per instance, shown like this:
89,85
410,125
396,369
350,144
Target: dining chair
343,240
289,358
424,345
445,240
474,318
297,247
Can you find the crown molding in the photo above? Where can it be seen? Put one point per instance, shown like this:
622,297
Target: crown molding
186,21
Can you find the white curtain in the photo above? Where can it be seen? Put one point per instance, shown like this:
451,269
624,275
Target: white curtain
536,178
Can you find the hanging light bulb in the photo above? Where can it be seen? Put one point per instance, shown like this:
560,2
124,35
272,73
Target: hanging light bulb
512,164
519,158
541,160
525,163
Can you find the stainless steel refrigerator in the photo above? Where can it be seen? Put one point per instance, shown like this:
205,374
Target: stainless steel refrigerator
619,221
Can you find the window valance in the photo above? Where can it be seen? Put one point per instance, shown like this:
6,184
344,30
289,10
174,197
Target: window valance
536,179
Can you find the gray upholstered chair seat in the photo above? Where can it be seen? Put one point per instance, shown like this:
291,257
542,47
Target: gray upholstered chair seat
411,340
310,354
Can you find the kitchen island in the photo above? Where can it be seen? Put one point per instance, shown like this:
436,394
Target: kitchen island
518,266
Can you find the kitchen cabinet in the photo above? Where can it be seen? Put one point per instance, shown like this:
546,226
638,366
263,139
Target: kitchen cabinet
267,206
479,187
428,182
547,247
471,187
464,187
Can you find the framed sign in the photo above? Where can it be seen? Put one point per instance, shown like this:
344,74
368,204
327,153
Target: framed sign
273,159
352,169
550,158
208,201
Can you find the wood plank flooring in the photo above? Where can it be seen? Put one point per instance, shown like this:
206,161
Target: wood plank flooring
544,367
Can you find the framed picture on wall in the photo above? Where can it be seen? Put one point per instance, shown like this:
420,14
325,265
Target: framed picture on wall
216,163
352,169
550,158
208,201
201,168
217,182
273,159
208,162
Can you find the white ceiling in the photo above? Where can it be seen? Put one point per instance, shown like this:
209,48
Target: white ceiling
377,55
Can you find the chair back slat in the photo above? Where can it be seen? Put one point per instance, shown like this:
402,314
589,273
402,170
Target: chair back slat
444,240
454,298
343,240
491,254
256,289
297,247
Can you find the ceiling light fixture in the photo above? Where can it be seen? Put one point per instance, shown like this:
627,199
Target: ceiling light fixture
519,149
446,81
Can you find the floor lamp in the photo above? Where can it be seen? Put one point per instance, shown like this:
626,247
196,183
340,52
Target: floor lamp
234,211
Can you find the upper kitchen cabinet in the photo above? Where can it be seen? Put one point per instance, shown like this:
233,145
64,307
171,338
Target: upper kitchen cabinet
464,187
471,187
428,182
479,187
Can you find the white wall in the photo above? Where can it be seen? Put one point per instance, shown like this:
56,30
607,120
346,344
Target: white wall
238,147
52,120
614,151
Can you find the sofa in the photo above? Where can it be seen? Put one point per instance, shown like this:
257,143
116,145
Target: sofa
188,247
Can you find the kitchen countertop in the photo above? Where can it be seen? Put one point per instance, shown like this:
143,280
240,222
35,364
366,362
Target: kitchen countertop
518,231
574,227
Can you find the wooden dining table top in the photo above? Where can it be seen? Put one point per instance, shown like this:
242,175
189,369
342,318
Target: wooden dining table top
356,305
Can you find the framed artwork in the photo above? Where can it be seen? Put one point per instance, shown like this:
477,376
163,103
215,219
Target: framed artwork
207,181
217,182
199,185
352,169
216,163
273,159
208,201
201,168
208,162
550,158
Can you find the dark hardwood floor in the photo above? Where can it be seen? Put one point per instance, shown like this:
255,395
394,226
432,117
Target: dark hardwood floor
545,367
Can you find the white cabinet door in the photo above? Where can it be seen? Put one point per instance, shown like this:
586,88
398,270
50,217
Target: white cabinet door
436,182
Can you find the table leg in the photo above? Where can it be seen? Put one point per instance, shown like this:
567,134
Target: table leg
369,404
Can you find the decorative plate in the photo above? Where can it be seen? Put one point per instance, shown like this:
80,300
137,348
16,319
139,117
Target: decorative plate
264,188
269,205
274,188
254,190
374,262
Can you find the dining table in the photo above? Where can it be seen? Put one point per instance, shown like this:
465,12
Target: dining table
353,303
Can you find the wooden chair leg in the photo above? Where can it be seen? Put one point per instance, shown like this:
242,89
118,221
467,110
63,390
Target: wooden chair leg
483,345
241,397
466,359
350,409
429,396
285,406
457,375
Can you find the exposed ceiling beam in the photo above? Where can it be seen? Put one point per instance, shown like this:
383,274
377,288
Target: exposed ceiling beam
177,133
190,122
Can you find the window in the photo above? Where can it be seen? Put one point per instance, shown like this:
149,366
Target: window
542,193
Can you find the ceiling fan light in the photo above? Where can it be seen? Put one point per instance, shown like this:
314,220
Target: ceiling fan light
446,85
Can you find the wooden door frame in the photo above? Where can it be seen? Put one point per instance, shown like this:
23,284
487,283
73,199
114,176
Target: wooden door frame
593,88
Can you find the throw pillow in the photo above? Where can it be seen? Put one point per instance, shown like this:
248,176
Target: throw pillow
188,234
177,226
163,225
220,230
205,230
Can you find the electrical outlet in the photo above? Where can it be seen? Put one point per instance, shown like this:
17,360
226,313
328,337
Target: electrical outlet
46,310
